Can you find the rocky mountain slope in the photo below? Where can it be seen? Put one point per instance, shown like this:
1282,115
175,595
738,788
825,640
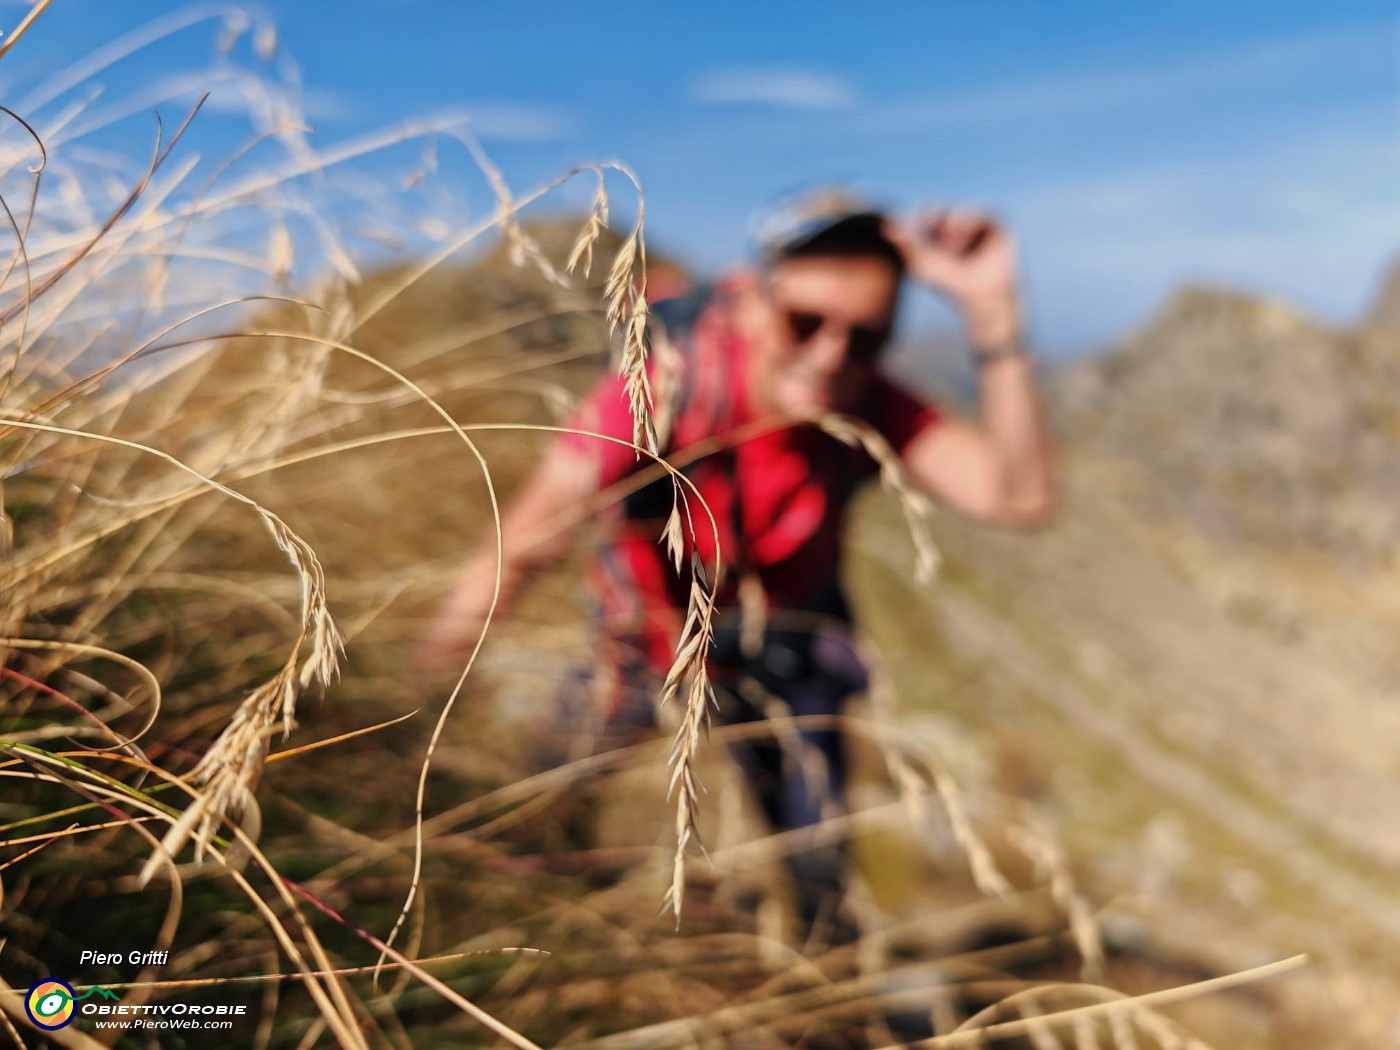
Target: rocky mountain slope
1194,669
1257,425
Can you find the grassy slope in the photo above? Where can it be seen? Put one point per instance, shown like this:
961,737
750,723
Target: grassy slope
1209,798
1223,814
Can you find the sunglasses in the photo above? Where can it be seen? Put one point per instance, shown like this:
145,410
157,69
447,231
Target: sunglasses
863,342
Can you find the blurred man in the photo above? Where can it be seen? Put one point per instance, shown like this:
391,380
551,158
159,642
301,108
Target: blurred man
804,332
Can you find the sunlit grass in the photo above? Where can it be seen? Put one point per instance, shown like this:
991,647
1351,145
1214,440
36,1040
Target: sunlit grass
238,462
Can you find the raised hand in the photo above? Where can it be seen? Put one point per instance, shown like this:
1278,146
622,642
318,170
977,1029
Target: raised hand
969,258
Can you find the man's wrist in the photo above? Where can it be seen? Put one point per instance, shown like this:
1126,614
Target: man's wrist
1012,349
992,323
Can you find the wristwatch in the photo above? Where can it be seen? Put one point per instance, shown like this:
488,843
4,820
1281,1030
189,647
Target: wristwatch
1007,348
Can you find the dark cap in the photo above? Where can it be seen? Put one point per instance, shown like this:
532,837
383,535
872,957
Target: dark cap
792,224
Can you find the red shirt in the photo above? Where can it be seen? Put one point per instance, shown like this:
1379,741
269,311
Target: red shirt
778,498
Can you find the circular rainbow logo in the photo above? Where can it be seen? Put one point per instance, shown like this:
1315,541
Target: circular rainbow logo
49,1004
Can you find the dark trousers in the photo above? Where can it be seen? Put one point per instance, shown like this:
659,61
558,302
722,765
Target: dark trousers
796,769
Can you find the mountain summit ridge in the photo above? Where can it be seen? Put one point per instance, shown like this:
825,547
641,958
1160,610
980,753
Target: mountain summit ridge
1251,421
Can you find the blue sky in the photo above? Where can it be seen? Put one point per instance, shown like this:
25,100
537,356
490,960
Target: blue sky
1131,147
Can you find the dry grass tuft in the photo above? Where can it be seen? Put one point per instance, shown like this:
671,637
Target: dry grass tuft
198,355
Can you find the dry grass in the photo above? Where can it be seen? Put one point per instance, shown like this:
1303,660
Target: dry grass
193,483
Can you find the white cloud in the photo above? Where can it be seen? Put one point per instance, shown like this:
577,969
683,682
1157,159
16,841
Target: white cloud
1095,91
516,122
239,93
778,88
